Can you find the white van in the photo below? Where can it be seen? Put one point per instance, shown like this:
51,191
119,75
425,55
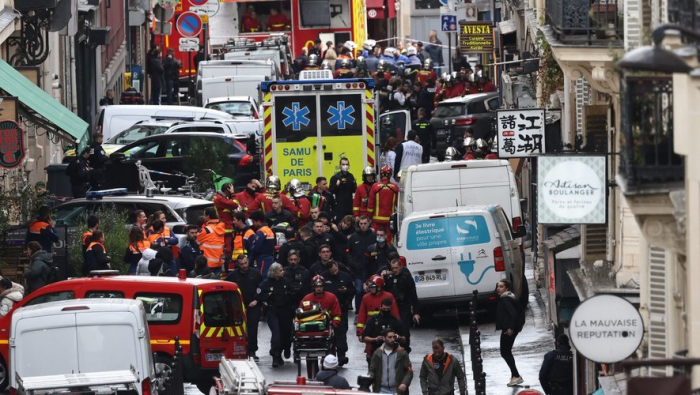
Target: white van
116,118
454,251
237,85
82,336
433,186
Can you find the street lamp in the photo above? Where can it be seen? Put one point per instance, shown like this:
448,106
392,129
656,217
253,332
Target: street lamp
656,59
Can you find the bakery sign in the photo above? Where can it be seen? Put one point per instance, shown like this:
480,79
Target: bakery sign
571,189
475,37
11,144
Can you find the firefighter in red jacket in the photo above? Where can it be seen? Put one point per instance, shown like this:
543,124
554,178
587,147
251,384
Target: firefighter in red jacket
382,201
251,24
344,71
263,201
327,300
246,197
302,203
372,303
360,202
277,22
426,74
226,205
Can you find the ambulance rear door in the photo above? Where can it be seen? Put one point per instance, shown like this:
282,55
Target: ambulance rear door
342,128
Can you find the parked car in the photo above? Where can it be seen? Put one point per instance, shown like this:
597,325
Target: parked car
240,127
453,116
238,106
168,153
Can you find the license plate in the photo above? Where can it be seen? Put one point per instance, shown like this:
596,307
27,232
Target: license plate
214,357
426,278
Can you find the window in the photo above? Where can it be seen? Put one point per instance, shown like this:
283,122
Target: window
200,129
178,147
104,295
428,4
222,309
192,213
161,308
144,150
150,208
477,107
135,133
494,104
450,110
237,109
392,125
52,297
68,215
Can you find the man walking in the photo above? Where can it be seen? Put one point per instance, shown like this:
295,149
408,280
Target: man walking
390,366
557,372
248,282
171,72
226,206
439,371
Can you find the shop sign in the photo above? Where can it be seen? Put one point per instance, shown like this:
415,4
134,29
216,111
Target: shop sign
475,37
11,144
571,189
520,133
606,329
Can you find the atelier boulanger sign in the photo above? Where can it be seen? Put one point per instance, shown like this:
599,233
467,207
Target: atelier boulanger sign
475,37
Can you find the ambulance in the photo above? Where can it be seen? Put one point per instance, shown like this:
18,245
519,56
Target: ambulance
309,125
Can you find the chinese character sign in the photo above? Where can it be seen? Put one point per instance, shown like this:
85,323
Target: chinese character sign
11,144
520,133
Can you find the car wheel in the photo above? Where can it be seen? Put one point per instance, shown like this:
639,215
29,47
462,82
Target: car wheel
164,368
4,376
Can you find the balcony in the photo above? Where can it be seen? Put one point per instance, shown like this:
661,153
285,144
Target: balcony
586,22
648,162
685,13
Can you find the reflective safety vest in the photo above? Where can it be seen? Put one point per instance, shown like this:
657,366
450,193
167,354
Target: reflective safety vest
239,242
139,247
37,226
85,237
94,243
211,242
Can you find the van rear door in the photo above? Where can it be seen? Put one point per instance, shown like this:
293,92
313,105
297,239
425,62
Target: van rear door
35,339
433,189
485,186
114,334
429,256
222,331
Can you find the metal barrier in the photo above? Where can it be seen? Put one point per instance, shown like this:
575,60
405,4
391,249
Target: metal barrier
475,349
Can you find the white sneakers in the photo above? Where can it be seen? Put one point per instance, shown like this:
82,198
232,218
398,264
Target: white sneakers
515,381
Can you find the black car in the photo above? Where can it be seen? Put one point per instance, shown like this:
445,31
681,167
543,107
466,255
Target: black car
185,153
453,116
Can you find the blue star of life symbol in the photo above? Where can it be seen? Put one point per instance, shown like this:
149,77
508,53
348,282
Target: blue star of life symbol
341,115
296,116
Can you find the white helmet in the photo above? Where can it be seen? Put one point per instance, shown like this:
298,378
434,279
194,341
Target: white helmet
411,51
390,51
450,154
295,188
350,45
369,44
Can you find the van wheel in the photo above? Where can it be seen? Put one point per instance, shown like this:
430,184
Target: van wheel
4,376
164,368
204,386
525,293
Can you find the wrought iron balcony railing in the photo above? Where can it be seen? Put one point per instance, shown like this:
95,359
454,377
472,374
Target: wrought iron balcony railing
585,21
685,13
647,133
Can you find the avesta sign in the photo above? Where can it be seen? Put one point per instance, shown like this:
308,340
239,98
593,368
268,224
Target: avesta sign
475,37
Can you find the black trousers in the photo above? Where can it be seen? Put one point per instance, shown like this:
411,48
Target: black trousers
507,352
252,320
407,321
341,333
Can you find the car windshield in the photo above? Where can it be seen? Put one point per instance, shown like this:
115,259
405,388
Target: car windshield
135,133
445,110
192,213
235,108
68,215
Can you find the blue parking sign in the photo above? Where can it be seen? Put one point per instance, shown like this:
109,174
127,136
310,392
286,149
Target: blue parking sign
449,23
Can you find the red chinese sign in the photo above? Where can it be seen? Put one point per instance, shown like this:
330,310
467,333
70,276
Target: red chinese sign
11,144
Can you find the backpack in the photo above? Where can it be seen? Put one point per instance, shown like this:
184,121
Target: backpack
53,276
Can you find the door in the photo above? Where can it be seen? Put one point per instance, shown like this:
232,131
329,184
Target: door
296,146
429,257
393,124
222,332
123,173
484,118
342,132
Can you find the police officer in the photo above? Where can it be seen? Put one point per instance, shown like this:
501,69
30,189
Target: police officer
248,281
425,133
340,284
293,243
557,373
275,294
298,277
372,332
398,281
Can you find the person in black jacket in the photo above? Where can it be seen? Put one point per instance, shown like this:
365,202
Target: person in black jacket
557,371
343,186
248,282
321,197
275,294
425,133
399,282
507,318
340,284
310,250
358,244
372,333
293,243
155,70
79,173
96,257
171,72
190,251
40,263
298,277
98,158
377,254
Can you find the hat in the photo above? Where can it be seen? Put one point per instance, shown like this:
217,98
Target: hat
324,214
419,43
330,362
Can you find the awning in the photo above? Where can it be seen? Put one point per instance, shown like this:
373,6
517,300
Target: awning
42,108
375,9
7,23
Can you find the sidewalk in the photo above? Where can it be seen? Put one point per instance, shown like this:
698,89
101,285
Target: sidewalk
530,346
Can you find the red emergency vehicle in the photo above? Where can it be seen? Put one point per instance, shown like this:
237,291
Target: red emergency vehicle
208,316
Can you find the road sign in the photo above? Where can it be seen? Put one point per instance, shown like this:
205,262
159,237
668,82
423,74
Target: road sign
209,8
189,24
443,2
449,23
189,44
198,3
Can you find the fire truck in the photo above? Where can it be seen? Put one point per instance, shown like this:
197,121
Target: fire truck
310,124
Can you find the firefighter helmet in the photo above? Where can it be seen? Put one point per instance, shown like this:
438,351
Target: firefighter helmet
385,172
390,51
369,44
450,154
345,62
295,188
428,64
361,60
369,171
376,281
382,65
326,65
273,184
350,45
468,142
318,280
411,51
481,144
313,60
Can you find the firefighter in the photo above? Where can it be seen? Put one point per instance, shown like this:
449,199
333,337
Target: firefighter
382,71
344,71
340,284
469,145
302,204
427,73
242,233
361,199
451,154
263,201
248,282
251,24
274,294
277,22
313,63
326,65
262,249
226,204
298,277
371,303
372,333
246,197
382,200
211,240
400,283
326,300
426,135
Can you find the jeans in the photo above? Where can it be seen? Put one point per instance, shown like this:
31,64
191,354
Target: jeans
279,320
359,294
170,90
507,352
386,390
252,320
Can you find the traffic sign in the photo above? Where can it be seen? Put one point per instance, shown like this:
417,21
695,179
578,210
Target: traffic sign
449,23
209,8
189,24
198,3
189,44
